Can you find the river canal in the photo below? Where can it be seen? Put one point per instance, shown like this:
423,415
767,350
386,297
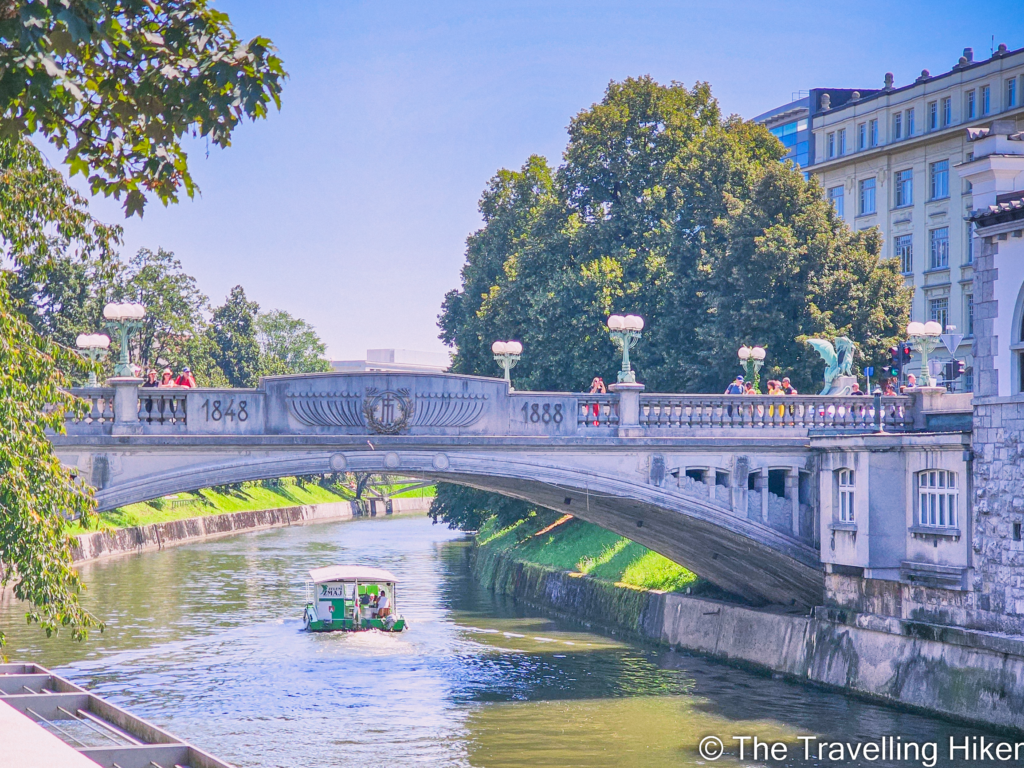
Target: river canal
206,640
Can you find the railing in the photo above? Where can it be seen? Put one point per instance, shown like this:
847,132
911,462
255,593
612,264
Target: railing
760,411
101,401
162,406
597,411
356,404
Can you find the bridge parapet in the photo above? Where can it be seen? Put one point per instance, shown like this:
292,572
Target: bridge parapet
449,405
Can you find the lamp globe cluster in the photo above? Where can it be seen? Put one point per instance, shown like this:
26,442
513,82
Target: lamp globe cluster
507,348
126,311
625,323
92,341
751,353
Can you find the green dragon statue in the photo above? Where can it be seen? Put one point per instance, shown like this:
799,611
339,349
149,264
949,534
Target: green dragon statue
838,359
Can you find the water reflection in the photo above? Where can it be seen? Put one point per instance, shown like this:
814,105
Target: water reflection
206,640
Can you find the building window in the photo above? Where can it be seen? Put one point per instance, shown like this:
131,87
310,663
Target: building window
968,187
1011,92
947,111
970,244
832,145
867,196
933,115
910,122
897,126
971,106
835,196
969,379
846,488
862,136
938,310
938,173
873,132
937,504
938,249
903,249
904,188
986,100
969,313
841,142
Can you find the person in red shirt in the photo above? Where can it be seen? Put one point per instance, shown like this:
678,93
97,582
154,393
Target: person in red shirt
186,379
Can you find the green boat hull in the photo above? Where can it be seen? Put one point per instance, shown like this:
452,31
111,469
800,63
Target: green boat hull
349,625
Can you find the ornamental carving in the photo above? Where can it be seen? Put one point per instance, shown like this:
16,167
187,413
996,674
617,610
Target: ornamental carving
388,412
326,409
448,409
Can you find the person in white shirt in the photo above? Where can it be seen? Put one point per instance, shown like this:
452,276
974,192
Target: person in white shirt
383,605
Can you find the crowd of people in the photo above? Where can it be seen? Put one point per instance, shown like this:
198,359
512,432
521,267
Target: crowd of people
168,379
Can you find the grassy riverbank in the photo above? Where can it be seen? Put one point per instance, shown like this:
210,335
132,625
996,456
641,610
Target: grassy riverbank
579,547
286,492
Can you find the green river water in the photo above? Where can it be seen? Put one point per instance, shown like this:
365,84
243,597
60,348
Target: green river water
206,640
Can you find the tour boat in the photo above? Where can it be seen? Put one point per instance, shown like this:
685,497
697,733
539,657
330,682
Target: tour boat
344,598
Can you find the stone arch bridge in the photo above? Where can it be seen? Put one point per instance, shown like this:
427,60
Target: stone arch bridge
725,485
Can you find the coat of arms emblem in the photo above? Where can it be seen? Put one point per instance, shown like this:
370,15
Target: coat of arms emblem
388,412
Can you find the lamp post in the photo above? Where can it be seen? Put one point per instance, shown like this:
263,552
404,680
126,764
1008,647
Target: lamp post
924,338
752,358
625,332
94,347
507,354
124,319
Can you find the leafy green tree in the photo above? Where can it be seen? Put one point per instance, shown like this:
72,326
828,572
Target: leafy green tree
289,344
36,492
466,509
63,260
117,84
666,209
232,332
174,307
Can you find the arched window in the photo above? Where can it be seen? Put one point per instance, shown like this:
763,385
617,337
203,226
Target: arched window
846,480
937,498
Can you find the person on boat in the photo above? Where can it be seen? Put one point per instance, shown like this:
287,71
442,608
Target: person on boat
383,605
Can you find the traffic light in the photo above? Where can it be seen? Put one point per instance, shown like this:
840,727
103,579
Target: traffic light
954,370
900,356
894,357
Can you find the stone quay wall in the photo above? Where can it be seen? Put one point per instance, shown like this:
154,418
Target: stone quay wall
972,676
997,546
145,538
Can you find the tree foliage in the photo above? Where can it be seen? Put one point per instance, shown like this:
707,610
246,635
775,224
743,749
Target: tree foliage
466,509
665,208
117,84
289,344
64,260
36,492
233,335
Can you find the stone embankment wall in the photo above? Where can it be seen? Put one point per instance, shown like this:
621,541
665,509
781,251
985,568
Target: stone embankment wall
143,538
973,676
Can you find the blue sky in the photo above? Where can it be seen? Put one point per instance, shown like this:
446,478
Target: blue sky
351,206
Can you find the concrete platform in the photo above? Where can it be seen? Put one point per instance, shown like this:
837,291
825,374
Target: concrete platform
49,722
26,744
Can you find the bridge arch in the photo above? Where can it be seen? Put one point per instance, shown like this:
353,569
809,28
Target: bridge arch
737,554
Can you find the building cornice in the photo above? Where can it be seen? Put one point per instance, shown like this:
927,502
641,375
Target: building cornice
913,142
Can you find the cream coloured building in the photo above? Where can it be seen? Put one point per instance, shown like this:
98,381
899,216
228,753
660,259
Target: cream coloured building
888,159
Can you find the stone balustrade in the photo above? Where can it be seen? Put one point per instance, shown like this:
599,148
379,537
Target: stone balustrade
425,404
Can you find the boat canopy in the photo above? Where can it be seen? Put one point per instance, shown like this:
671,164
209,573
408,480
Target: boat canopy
362,573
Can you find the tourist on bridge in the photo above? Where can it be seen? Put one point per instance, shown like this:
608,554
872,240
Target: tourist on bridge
890,388
597,387
911,382
855,389
167,380
736,388
186,379
151,379
787,388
